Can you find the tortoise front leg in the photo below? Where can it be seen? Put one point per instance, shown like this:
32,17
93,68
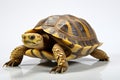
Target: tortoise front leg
16,56
60,57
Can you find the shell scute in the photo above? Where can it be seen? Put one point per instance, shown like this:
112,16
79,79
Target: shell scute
51,21
70,29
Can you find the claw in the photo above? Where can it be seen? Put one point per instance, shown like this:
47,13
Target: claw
11,63
106,59
59,69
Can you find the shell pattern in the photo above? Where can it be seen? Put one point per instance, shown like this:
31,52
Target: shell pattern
72,30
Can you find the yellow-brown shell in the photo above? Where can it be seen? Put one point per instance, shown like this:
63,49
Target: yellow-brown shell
70,29
74,32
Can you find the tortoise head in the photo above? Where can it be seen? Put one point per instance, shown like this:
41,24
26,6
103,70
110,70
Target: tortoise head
33,40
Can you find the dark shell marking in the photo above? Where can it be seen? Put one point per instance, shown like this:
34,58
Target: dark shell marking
75,32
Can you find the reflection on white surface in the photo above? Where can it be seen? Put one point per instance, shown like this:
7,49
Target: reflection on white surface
86,68
81,69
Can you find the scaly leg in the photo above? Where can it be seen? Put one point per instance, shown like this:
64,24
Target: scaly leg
99,54
60,57
16,56
42,54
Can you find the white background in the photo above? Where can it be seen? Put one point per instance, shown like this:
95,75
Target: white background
17,16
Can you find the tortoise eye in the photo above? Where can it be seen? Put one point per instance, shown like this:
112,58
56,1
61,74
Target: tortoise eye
32,37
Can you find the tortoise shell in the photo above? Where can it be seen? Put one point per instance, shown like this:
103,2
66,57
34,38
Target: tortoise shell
75,32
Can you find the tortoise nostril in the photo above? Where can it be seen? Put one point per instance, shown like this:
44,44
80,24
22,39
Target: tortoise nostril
32,37
23,36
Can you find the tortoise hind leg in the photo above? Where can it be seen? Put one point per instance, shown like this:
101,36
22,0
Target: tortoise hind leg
99,54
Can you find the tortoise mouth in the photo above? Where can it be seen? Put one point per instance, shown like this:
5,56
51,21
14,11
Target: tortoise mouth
31,43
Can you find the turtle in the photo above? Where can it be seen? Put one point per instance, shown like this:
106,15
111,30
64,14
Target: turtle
59,38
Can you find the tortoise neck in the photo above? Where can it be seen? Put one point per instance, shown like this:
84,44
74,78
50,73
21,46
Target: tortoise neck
48,42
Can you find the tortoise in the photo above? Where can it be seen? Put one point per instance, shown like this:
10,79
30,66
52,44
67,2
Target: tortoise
59,38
